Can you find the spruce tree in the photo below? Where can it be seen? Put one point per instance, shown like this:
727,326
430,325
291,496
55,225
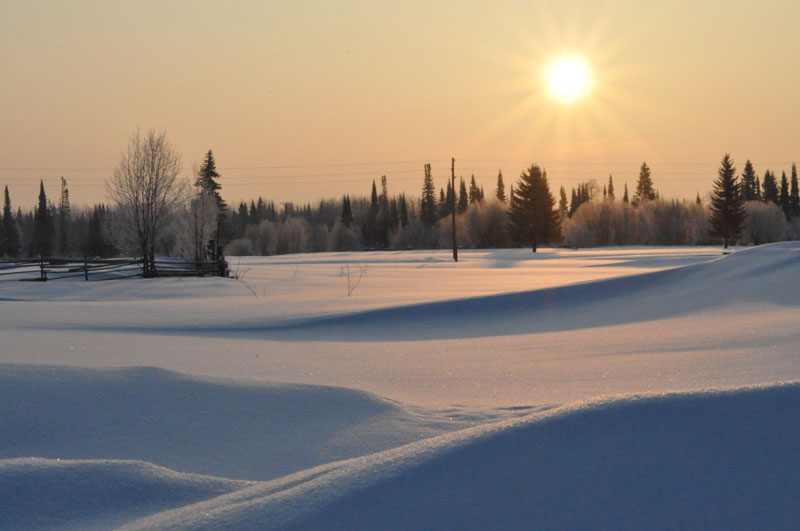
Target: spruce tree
563,209
749,182
463,198
347,212
610,187
727,204
784,197
532,215
625,198
644,187
42,235
448,200
403,207
442,203
573,204
769,188
474,191
500,191
9,233
794,196
428,201
207,179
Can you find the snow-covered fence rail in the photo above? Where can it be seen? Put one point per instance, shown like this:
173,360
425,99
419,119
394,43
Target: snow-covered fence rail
105,269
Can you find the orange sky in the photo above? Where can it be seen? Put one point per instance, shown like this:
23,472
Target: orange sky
305,100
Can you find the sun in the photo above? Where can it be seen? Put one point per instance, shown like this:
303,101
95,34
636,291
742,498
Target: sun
568,79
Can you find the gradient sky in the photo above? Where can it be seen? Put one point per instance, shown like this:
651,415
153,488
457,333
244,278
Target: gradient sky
305,100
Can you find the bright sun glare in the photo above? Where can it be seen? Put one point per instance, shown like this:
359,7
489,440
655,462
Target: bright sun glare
568,79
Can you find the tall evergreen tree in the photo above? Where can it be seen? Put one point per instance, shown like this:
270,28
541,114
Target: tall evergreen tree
610,187
500,191
448,200
207,179
563,209
574,203
474,191
625,198
9,233
644,186
749,182
463,198
532,215
784,197
347,212
794,196
427,208
727,204
42,235
769,188
403,207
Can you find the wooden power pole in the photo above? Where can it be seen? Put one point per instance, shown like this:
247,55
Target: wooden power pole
453,206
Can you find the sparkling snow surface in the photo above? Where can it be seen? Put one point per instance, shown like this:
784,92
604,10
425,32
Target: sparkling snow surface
505,384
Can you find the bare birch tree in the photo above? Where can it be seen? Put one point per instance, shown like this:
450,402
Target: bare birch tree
147,191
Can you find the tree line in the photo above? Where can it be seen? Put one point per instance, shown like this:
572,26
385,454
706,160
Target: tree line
152,212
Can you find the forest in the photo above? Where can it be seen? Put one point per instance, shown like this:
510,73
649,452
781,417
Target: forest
526,213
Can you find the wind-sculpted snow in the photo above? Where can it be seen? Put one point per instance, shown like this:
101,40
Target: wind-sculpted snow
766,275
57,494
235,429
696,460
478,362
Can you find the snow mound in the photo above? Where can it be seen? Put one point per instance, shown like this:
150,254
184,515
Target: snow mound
696,460
764,275
45,493
227,428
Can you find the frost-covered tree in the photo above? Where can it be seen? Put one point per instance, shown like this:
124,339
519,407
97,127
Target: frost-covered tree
727,205
147,192
532,214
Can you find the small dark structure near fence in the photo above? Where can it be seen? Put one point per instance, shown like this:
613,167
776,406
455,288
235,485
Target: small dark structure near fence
109,269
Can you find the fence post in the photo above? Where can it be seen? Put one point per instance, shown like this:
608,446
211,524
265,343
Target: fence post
42,272
85,265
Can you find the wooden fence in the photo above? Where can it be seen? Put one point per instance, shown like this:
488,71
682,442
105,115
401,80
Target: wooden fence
105,269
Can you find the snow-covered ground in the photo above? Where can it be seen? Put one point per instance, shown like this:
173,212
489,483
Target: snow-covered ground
616,388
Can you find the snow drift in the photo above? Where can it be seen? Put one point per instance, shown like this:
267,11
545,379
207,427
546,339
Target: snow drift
229,428
762,275
700,460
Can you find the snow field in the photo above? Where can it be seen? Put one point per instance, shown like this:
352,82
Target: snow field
505,391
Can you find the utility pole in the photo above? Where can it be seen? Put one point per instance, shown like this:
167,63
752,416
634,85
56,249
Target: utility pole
453,206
